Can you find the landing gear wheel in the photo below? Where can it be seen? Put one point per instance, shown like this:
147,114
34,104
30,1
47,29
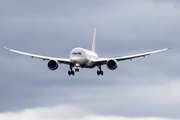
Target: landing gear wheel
100,72
71,73
97,72
76,70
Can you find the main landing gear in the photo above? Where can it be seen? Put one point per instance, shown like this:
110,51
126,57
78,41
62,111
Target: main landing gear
99,72
71,72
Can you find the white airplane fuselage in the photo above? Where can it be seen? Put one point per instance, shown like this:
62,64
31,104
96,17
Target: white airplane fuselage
81,57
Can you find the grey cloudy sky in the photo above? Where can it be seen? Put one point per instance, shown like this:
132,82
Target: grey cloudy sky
142,89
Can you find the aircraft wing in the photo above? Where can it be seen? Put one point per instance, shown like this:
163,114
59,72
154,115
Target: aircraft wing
103,61
60,60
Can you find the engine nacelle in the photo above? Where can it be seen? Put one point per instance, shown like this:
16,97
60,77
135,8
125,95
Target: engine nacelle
52,64
112,64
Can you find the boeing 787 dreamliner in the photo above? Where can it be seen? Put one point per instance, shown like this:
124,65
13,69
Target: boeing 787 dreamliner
80,57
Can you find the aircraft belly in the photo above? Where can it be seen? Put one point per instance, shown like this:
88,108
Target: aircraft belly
89,64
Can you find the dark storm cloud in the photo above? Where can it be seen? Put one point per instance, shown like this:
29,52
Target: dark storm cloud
53,28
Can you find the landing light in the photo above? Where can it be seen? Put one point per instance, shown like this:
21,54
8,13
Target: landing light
77,64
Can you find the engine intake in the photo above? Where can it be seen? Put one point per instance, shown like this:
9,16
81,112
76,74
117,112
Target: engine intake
112,64
53,64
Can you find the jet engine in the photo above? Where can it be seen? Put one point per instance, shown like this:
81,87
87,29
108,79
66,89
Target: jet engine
112,64
53,64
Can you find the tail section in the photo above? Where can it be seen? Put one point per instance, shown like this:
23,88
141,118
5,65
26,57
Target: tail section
94,40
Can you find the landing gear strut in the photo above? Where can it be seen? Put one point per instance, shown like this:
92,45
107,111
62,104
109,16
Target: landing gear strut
99,72
71,72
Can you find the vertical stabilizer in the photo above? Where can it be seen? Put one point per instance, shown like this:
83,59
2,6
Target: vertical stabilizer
94,40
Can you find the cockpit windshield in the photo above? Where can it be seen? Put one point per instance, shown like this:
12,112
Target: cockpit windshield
76,53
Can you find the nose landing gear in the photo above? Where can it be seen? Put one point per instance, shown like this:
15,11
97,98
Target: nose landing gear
76,70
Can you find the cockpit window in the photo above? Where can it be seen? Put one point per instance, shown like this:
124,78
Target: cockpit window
76,53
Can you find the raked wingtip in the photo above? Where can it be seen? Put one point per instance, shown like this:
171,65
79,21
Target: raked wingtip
172,47
6,48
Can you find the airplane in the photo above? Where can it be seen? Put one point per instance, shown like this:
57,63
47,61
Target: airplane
83,58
